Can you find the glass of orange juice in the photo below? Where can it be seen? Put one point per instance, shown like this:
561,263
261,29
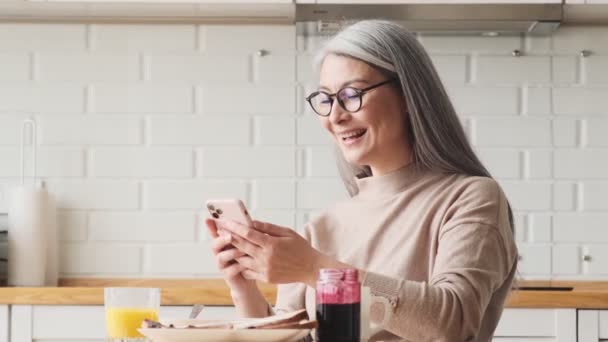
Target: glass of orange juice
126,308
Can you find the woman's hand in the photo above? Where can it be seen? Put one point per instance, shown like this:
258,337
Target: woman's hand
225,257
274,254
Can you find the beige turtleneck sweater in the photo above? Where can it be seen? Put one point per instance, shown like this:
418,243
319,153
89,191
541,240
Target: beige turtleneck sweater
439,247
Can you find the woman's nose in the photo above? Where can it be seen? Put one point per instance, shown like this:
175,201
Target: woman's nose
337,113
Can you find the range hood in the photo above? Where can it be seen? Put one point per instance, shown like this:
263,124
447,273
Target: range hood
486,19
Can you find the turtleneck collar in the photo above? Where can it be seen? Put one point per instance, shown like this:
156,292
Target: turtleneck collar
388,184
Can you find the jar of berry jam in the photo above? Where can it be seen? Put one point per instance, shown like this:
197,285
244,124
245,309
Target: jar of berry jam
338,305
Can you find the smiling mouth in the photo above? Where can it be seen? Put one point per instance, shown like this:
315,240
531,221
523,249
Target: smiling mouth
353,135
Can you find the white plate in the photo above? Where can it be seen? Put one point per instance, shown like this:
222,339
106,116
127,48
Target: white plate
223,335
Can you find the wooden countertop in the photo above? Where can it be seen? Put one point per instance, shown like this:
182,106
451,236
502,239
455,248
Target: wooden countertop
531,294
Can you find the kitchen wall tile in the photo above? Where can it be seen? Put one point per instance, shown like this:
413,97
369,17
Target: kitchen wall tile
183,258
580,227
505,44
566,259
279,68
15,66
596,132
88,67
528,195
42,98
565,132
509,69
579,101
121,98
30,37
574,164
319,193
485,100
50,162
124,37
594,195
89,194
90,130
451,68
274,130
190,130
246,99
199,67
189,195
277,194
535,259
249,38
142,226
140,162
502,163
262,162
512,132
90,259
321,162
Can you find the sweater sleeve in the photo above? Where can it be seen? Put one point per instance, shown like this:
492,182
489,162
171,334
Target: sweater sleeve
473,261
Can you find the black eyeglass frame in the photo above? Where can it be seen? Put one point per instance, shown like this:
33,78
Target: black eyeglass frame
360,93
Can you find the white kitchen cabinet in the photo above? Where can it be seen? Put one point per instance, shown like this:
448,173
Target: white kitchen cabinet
79,323
557,325
592,325
4,323
591,2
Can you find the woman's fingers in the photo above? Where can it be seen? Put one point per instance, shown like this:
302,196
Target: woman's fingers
252,275
233,270
211,227
229,255
246,246
246,232
220,243
247,261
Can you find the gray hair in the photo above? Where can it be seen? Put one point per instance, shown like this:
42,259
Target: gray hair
439,142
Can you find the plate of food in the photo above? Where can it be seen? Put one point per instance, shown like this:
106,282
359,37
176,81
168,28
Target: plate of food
282,327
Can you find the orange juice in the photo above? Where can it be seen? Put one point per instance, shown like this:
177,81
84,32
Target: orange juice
124,322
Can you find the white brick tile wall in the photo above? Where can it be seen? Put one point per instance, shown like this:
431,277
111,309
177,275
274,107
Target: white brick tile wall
199,67
51,162
87,67
502,163
93,259
596,69
248,162
540,228
274,130
580,227
30,37
124,98
485,100
41,98
565,133
140,124
249,38
189,130
144,38
572,164
275,68
576,101
276,194
87,194
321,162
597,264
72,225
565,69
528,195
594,195
506,69
142,226
564,196
90,130
189,195
535,259
507,132
246,99
15,66
141,162
538,101
186,259
597,132
451,68
539,164
566,259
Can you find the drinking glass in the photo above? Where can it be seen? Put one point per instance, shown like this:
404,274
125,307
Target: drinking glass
126,308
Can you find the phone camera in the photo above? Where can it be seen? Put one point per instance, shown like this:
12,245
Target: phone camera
215,215
210,207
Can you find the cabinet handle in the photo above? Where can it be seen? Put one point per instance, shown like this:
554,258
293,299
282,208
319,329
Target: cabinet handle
586,257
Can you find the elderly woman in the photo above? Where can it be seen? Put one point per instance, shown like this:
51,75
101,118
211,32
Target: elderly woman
427,227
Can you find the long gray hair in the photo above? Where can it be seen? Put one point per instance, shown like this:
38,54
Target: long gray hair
438,140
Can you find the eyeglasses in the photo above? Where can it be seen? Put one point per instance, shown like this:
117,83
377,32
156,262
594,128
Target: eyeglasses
349,98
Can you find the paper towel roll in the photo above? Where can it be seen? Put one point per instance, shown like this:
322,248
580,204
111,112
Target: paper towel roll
32,230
